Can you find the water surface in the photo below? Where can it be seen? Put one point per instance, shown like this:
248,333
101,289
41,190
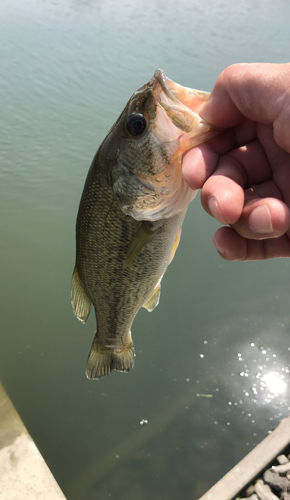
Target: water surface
221,329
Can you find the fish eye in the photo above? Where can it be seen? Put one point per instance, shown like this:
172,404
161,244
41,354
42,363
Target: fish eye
136,124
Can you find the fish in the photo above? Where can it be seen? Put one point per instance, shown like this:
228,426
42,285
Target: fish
130,215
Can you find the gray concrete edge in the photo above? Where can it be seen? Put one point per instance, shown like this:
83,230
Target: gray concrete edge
24,474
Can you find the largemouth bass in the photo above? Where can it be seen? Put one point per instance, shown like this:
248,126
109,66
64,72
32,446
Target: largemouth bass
130,215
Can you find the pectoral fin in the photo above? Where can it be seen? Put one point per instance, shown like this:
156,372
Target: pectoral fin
81,304
141,237
153,301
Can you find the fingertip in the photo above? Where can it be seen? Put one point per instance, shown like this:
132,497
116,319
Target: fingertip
230,245
223,199
280,216
260,220
263,218
193,167
215,211
198,164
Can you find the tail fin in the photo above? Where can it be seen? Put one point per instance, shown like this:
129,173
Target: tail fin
102,361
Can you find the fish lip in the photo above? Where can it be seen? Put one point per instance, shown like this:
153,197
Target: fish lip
159,75
172,91
162,79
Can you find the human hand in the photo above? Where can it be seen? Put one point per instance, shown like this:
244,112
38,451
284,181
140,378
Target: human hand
244,172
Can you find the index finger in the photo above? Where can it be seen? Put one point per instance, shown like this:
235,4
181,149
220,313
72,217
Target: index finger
258,91
200,162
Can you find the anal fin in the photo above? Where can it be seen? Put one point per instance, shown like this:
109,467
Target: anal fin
102,361
81,304
175,245
153,301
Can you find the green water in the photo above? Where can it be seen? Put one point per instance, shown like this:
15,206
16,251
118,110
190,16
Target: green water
67,70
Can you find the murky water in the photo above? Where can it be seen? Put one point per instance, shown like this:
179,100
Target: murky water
67,70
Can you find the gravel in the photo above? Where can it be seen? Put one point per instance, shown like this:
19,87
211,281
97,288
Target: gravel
273,484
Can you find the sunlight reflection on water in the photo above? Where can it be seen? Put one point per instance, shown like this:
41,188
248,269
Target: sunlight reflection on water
267,377
274,382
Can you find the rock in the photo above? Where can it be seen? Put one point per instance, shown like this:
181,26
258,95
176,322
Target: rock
250,490
282,469
274,480
282,459
264,491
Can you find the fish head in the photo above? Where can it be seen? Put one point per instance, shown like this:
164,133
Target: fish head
158,125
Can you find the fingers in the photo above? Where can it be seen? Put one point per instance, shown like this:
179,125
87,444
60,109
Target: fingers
256,91
201,161
262,232
263,218
222,194
223,198
244,172
239,148
257,218
198,164
232,246
257,213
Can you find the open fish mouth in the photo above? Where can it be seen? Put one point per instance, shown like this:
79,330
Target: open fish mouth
178,127
179,95
158,191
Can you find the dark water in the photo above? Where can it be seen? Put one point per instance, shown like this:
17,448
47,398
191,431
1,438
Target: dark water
221,329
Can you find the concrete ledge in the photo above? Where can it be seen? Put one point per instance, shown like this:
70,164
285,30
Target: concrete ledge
24,474
251,465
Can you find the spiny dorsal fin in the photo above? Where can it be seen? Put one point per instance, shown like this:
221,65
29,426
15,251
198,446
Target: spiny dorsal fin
141,237
153,301
102,361
81,304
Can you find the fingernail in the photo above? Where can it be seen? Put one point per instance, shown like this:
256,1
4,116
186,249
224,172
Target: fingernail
219,249
214,209
259,220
